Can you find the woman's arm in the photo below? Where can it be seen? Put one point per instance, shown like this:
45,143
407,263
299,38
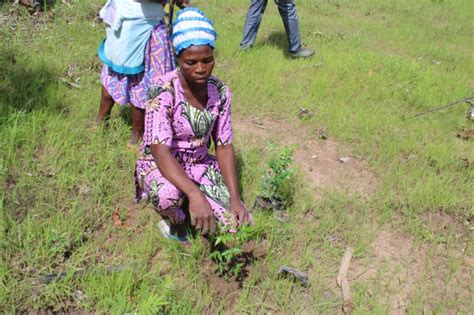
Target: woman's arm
222,136
199,208
227,163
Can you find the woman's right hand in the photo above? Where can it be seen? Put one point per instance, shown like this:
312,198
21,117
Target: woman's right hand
202,216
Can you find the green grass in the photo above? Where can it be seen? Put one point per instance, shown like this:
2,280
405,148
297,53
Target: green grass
378,63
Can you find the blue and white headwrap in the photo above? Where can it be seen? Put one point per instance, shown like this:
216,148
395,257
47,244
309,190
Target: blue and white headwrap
191,27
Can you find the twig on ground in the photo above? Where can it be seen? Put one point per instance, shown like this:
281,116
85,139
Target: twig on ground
343,283
185,254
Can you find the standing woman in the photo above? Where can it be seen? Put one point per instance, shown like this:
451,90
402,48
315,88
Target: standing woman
135,52
187,109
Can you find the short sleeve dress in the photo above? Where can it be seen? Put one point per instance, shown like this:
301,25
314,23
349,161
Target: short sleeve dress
188,131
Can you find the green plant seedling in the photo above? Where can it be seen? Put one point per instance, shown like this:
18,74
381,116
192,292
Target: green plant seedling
228,253
277,187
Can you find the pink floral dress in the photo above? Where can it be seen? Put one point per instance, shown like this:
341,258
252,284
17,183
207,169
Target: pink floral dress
171,120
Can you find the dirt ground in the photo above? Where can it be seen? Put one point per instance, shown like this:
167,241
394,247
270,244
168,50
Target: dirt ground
397,267
321,160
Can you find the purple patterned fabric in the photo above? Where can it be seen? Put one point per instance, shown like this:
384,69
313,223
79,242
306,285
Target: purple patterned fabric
132,89
171,120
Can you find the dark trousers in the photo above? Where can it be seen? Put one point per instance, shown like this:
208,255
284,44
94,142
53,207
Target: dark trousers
287,9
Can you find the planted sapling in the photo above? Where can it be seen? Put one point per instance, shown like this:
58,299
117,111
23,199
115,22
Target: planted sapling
227,251
277,186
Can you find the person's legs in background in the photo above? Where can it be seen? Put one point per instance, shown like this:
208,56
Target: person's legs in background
106,104
252,22
287,9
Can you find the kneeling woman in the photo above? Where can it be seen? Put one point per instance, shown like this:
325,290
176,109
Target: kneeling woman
186,108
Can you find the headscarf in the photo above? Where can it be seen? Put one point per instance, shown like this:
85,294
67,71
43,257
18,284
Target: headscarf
192,27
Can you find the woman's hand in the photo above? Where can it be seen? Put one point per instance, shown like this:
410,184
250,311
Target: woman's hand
202,216
238,209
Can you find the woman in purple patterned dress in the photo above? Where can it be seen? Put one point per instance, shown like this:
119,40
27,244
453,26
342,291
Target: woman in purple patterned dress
124,83
187,109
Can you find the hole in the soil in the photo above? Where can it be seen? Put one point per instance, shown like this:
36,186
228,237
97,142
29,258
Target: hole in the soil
67,254
265,203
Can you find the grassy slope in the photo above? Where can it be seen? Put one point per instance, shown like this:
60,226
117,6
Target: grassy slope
378,62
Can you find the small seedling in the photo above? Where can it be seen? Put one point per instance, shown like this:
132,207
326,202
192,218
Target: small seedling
277,188
227,251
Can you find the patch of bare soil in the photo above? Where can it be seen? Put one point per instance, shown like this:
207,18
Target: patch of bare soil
225,289
465,134
441,221
229,288
126,215
393,269
398,270
320,158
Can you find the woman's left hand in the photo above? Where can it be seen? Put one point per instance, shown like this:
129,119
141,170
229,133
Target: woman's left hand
240,212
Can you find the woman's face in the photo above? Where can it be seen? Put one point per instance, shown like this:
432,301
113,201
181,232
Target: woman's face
196,64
